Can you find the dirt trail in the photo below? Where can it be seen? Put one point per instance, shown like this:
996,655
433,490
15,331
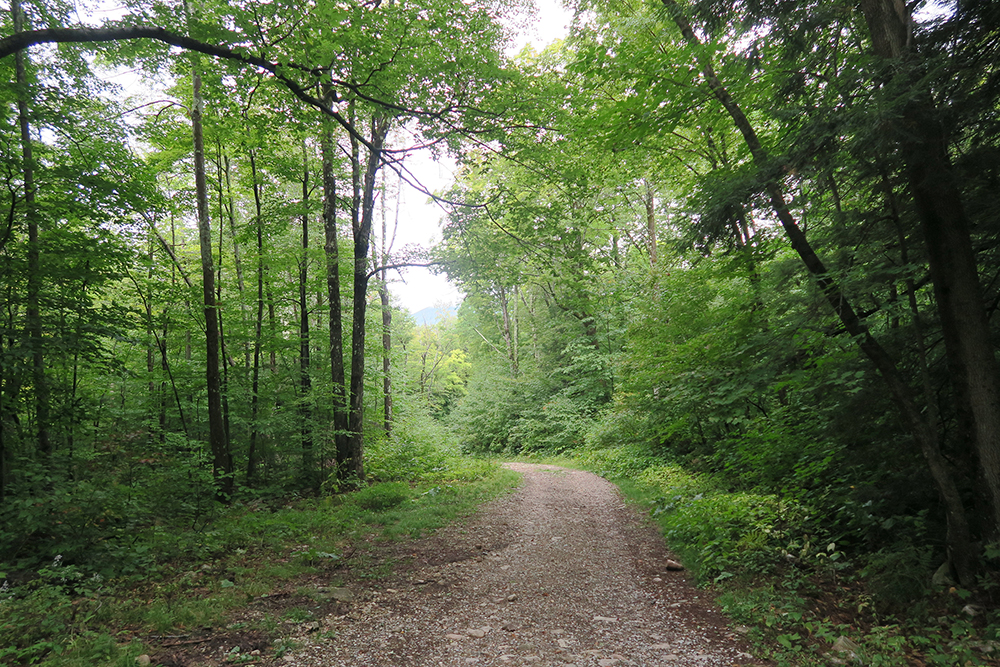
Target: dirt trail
559,573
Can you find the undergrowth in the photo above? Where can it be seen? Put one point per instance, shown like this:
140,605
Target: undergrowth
805,596
191,578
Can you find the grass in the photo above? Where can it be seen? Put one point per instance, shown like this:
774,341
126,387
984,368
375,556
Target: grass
63,618
765,560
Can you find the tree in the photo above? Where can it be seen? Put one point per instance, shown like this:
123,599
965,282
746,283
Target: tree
922,145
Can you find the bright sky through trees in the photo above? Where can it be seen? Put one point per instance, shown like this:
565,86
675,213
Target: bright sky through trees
419,218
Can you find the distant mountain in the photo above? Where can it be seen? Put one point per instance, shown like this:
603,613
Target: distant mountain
432,314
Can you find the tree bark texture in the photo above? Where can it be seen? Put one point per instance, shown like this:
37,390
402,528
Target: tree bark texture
365,177
305,380
222,464
34,279
336,320
258,328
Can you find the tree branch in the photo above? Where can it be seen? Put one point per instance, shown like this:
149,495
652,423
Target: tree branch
22,40
400,265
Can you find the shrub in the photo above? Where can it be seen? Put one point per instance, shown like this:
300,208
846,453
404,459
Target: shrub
380,497
401,459
898,575
626,461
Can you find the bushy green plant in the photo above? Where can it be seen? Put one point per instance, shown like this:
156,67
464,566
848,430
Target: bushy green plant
382,496
723,534
558,427
627,461
34,615
618,426
485,416
401,458
898,575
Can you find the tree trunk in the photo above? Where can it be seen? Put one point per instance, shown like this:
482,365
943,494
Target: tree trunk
223,356
336,320
923,147
258,328
508,328
650,222
383,296
364,184
305,381
222,464
33,314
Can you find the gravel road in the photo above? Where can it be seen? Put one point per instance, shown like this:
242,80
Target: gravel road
561,572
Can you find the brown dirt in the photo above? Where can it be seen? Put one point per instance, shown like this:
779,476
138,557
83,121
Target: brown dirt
560,573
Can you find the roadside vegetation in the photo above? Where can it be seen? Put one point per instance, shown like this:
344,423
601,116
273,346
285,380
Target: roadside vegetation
794,578
189,579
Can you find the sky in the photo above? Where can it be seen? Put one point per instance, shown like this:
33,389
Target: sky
419,219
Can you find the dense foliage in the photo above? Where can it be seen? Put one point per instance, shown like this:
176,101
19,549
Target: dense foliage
186,272
740,255
736,248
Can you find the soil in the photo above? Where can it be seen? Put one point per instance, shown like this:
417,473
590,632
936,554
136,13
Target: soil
562,572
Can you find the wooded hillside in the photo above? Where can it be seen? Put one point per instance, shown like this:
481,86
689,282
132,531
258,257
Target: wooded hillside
741,255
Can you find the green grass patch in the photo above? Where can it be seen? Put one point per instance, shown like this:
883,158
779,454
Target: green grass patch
65,616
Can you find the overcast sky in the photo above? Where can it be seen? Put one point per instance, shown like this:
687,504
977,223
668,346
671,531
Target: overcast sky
419,219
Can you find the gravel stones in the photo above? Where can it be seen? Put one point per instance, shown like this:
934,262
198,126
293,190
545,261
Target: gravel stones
561,573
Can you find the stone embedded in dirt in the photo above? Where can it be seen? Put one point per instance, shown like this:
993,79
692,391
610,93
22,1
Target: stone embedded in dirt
673,565
660,646
606,619
942,576
143,660
986,647
475,632
972,610
455,637
511,598
509,627
338,594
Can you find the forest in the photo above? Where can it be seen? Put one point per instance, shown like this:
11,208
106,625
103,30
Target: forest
742,258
